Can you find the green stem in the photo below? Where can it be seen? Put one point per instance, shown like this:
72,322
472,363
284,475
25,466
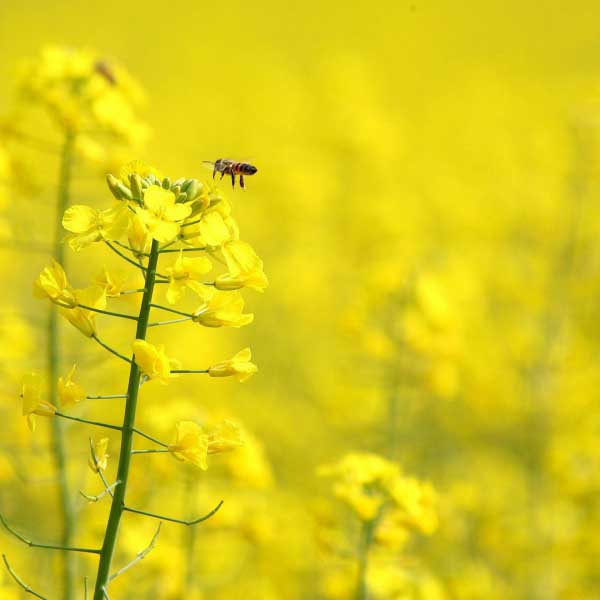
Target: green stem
366,539
53,368
127,432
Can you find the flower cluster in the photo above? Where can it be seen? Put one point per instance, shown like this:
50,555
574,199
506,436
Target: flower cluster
390,506
83,92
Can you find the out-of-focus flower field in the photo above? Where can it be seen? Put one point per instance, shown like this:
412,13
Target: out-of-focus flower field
425,421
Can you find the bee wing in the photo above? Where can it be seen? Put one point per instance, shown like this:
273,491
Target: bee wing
208,164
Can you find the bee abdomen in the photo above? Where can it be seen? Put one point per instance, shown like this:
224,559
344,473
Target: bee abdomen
246,169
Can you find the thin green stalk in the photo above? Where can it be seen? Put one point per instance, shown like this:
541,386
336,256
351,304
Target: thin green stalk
53,368
127,433
366,539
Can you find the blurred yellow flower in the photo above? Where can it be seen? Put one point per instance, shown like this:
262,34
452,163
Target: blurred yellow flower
191,444
33,403
224,309
188,272
153,361
89,226
161,214
100,448
68,391
225,436
238,366
81,91
52,283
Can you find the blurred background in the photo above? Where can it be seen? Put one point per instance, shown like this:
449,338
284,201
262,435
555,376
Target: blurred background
426,206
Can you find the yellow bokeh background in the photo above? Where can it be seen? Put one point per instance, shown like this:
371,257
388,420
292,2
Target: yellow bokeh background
426,206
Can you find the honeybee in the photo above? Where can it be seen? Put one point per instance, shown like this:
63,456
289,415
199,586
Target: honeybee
233,168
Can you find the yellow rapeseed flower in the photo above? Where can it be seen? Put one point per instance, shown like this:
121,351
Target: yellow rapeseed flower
89,226
188,272
68,391
153,361
224,309
191,444
238,366
245,268
112,284
213,230
33,403
161,214
52,283
100,448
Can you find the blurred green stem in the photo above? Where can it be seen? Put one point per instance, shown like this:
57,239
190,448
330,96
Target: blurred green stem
53,367
127,432
366,539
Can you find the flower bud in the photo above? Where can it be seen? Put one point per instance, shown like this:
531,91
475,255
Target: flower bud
113,186
135,183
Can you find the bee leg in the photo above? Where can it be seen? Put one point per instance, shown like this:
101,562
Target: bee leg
222,174
232,179
242,181
214,171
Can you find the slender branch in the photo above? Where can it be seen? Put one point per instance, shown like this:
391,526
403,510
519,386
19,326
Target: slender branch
47,546
124,257
134,252
140,555
172,310
138,291
169,322
108,312
108,397
171,519
87,421
111,350
198,249
20,581
107,490
191,223
190,371
149,451
149,437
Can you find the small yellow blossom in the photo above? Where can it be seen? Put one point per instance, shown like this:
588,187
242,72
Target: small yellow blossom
239,366
100,448
112,284
68,391
137,234
226,436
82,318
245,268
191,444
224,309
188,273
212,231
89,226
161,214
52,283
153,361
33,403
